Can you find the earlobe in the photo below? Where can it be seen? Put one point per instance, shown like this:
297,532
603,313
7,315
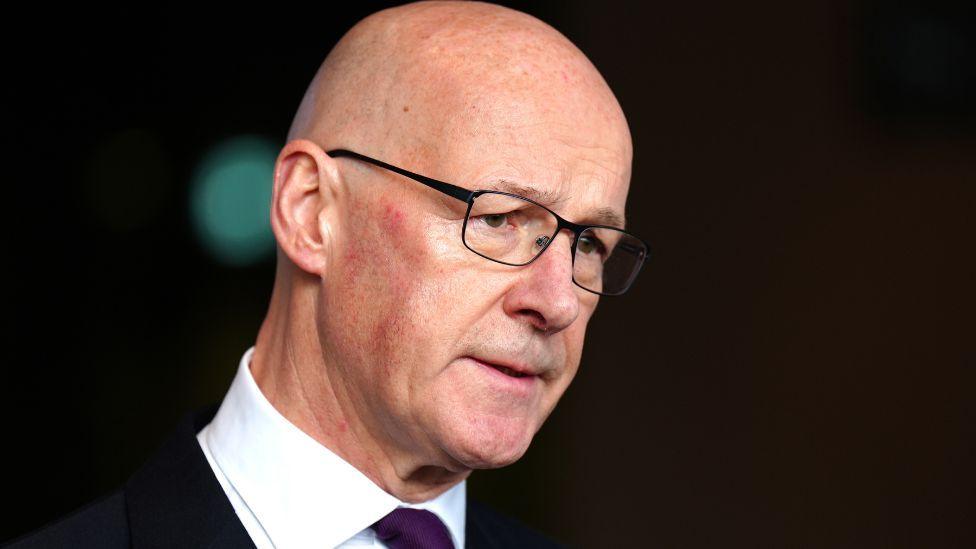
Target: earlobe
302,204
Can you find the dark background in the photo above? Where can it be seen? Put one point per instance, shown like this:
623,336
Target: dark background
794,368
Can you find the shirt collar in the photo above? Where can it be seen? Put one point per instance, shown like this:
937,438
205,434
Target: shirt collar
301,492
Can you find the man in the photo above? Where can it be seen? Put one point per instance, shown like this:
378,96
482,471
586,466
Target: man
417,330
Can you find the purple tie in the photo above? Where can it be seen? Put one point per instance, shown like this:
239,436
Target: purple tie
406,528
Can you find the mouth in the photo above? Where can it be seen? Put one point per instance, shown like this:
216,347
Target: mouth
507,371
516,372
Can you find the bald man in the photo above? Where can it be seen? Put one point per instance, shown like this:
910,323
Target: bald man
448,209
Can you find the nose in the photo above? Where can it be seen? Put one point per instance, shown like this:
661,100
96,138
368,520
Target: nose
545,295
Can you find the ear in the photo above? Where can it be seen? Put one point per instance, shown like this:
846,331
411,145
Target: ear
303,204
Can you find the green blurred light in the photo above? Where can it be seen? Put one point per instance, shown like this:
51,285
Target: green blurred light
230,200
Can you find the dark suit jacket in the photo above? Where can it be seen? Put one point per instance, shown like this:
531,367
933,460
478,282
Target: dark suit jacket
174,500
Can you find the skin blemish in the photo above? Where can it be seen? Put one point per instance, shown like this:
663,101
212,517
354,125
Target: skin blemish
406,108
392,219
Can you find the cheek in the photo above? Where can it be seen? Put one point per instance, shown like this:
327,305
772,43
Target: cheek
573,344
386,260
381,246
392,220
574,335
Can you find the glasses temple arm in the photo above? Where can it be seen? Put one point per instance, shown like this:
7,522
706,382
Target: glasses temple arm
460,193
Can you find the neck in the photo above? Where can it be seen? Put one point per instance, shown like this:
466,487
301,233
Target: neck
297,378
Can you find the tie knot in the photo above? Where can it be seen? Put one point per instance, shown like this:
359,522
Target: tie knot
406,528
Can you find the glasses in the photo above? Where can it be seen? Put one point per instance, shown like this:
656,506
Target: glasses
514,230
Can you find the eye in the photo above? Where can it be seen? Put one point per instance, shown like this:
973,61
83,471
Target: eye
494,220
589,244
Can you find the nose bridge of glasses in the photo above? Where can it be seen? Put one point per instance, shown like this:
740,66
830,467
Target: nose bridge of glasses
547,242
544,240
572,230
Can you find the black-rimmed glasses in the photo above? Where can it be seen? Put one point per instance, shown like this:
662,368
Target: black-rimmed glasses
514,230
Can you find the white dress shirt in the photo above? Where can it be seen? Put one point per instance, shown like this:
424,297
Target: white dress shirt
288,490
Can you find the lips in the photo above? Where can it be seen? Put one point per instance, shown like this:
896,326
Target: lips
507,371
510,369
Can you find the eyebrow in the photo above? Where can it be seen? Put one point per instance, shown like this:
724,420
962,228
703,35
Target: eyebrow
599,216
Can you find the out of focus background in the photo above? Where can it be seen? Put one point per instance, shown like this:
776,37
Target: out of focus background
793,369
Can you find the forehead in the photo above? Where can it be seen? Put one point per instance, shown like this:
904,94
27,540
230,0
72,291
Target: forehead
581,171
568,148
512,101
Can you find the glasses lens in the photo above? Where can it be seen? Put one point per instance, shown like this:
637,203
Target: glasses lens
507,228
607,260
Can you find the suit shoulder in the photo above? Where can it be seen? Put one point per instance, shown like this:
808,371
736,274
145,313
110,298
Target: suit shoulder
102,523
489,528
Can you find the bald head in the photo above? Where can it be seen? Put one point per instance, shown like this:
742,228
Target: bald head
421,77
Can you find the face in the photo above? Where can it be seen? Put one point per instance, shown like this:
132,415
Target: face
448,356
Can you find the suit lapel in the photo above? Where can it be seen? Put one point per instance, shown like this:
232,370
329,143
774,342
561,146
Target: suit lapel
174,500
477,534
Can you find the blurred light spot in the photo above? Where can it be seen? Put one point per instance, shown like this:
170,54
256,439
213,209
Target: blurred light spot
129,180
230,200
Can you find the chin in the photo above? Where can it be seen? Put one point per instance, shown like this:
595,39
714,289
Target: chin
490,442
